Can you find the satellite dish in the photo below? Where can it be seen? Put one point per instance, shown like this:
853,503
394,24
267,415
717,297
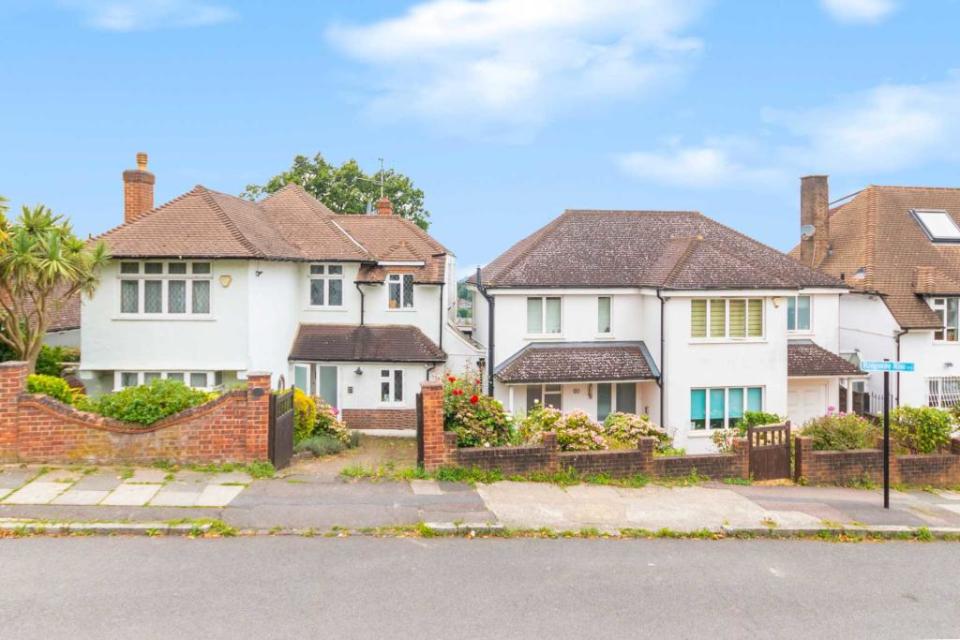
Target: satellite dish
807,231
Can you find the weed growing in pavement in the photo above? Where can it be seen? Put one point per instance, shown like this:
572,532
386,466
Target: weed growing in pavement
738,481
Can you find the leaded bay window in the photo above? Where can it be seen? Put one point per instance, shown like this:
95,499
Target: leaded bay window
400,291
543,315
726,318
326,285
195,379
158,288
947,310
721,408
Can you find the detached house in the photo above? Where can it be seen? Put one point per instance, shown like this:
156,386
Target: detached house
898,248
208,287
665,313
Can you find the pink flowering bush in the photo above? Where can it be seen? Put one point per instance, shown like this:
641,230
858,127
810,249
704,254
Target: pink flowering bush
624,430
328,422
577,432
478,419
538,420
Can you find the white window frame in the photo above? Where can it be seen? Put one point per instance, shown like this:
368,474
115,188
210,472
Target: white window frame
390,380
141,375
165,278
326,277
543,316
940,306
707,429
796,313
398,280
544,393
726,319
600,334
938,396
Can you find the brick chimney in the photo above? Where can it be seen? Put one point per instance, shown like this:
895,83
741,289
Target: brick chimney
137,189
384,207
814,214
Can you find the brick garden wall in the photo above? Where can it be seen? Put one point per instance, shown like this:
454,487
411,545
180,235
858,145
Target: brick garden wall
36,428
844,467
380,418
440,449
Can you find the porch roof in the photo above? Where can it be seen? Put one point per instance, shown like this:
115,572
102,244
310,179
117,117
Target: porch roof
579,362
805,358
337,343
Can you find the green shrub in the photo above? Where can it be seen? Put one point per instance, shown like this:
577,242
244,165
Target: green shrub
577,432
921,429
149,403
320,445
538,420
328,423
478,419
52,386
304,415
50,359
624,430
841,432
757,419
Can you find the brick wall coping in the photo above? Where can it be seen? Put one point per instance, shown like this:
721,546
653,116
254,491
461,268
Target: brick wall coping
10,364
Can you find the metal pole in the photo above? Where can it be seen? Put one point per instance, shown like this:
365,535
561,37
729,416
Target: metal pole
886,439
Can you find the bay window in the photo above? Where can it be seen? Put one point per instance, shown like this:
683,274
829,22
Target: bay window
722,407
543,315
195,379
158,288
946,309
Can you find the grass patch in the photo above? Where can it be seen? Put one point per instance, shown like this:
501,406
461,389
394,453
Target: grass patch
564,478
738,481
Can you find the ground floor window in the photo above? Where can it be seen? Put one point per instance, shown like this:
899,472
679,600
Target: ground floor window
549,395
722,407
391,385
621,397
196,379
943,392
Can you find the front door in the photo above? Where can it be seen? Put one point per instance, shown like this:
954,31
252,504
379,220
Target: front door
327,385
806,400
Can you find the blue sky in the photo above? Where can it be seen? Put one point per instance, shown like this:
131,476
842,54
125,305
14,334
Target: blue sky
505,112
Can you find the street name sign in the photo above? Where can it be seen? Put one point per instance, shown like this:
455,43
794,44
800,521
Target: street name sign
883,365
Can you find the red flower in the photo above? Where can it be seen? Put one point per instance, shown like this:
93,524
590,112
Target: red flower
451,379
474,399
478,381
458,392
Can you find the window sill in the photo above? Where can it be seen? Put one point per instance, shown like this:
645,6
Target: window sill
407,310
326,308
702,433
728,340
175,317
604,336
800,333
543,336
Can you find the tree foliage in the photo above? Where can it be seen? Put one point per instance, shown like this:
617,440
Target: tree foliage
346,188
42,265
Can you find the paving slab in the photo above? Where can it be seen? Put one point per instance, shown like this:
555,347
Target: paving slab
148,474
101,480
231,477
167,497
62,475
426,487
37,492
218,495
81,497
131,495
13,477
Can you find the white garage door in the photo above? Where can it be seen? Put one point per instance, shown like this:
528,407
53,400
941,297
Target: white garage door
806,400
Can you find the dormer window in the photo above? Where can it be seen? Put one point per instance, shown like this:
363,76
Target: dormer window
948,310
937,224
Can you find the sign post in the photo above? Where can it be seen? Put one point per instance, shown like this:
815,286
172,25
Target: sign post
886,366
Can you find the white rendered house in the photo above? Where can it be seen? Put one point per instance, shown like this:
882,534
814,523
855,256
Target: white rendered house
664,313
208,287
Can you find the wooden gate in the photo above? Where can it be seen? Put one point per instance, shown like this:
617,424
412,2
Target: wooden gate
280,444
769,448
420,430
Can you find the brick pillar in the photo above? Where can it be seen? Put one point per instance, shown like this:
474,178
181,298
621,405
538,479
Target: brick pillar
551,450
258,416
804,457
437,451
741,449
13,382
646,446
955,446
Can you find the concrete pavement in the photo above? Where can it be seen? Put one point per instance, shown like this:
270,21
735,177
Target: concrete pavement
103,588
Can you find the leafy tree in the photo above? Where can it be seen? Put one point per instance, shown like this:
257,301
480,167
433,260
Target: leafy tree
347,189
42,265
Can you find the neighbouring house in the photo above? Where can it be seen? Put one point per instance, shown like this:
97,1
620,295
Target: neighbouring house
898,248
356,309
670,314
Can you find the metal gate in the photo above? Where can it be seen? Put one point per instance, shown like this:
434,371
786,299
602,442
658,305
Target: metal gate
280,446
769,448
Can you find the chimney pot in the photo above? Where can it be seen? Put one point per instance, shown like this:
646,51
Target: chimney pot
384,207
137,190
815,212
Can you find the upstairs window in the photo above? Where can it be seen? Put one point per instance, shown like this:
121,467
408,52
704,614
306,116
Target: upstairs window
947,310
326,285
543,315
604,308
798,313
165,288
937,224
400,291
723,318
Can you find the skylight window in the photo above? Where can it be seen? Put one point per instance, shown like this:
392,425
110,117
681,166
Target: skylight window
938,225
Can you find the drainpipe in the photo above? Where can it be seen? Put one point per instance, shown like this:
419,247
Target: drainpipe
897,338
490,339
443,313
357,285
662,354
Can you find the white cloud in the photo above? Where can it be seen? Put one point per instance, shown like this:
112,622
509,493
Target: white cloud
885,129
144,15
859,11
518,62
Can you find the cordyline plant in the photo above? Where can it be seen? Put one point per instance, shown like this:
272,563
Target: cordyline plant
42,265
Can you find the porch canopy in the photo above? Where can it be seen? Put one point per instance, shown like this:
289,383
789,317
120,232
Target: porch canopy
578,362
806,359
340,343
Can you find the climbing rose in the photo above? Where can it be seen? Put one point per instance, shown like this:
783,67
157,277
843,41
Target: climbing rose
474,399
451,378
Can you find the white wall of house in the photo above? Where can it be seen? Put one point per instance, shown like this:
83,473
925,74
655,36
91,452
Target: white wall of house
868,328
362,390
933,359
272,312
64,338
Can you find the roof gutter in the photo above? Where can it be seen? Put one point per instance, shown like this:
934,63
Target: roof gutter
490,333
662,363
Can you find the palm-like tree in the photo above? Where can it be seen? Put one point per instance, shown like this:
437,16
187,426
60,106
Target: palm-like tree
42,265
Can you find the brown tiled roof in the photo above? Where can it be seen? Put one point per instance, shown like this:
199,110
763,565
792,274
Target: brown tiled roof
875,234
805,358
333,342
289,225
578,362
669,249
63,310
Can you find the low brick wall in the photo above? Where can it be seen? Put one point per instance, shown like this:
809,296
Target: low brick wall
440,449
845,467
37,428
380,418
